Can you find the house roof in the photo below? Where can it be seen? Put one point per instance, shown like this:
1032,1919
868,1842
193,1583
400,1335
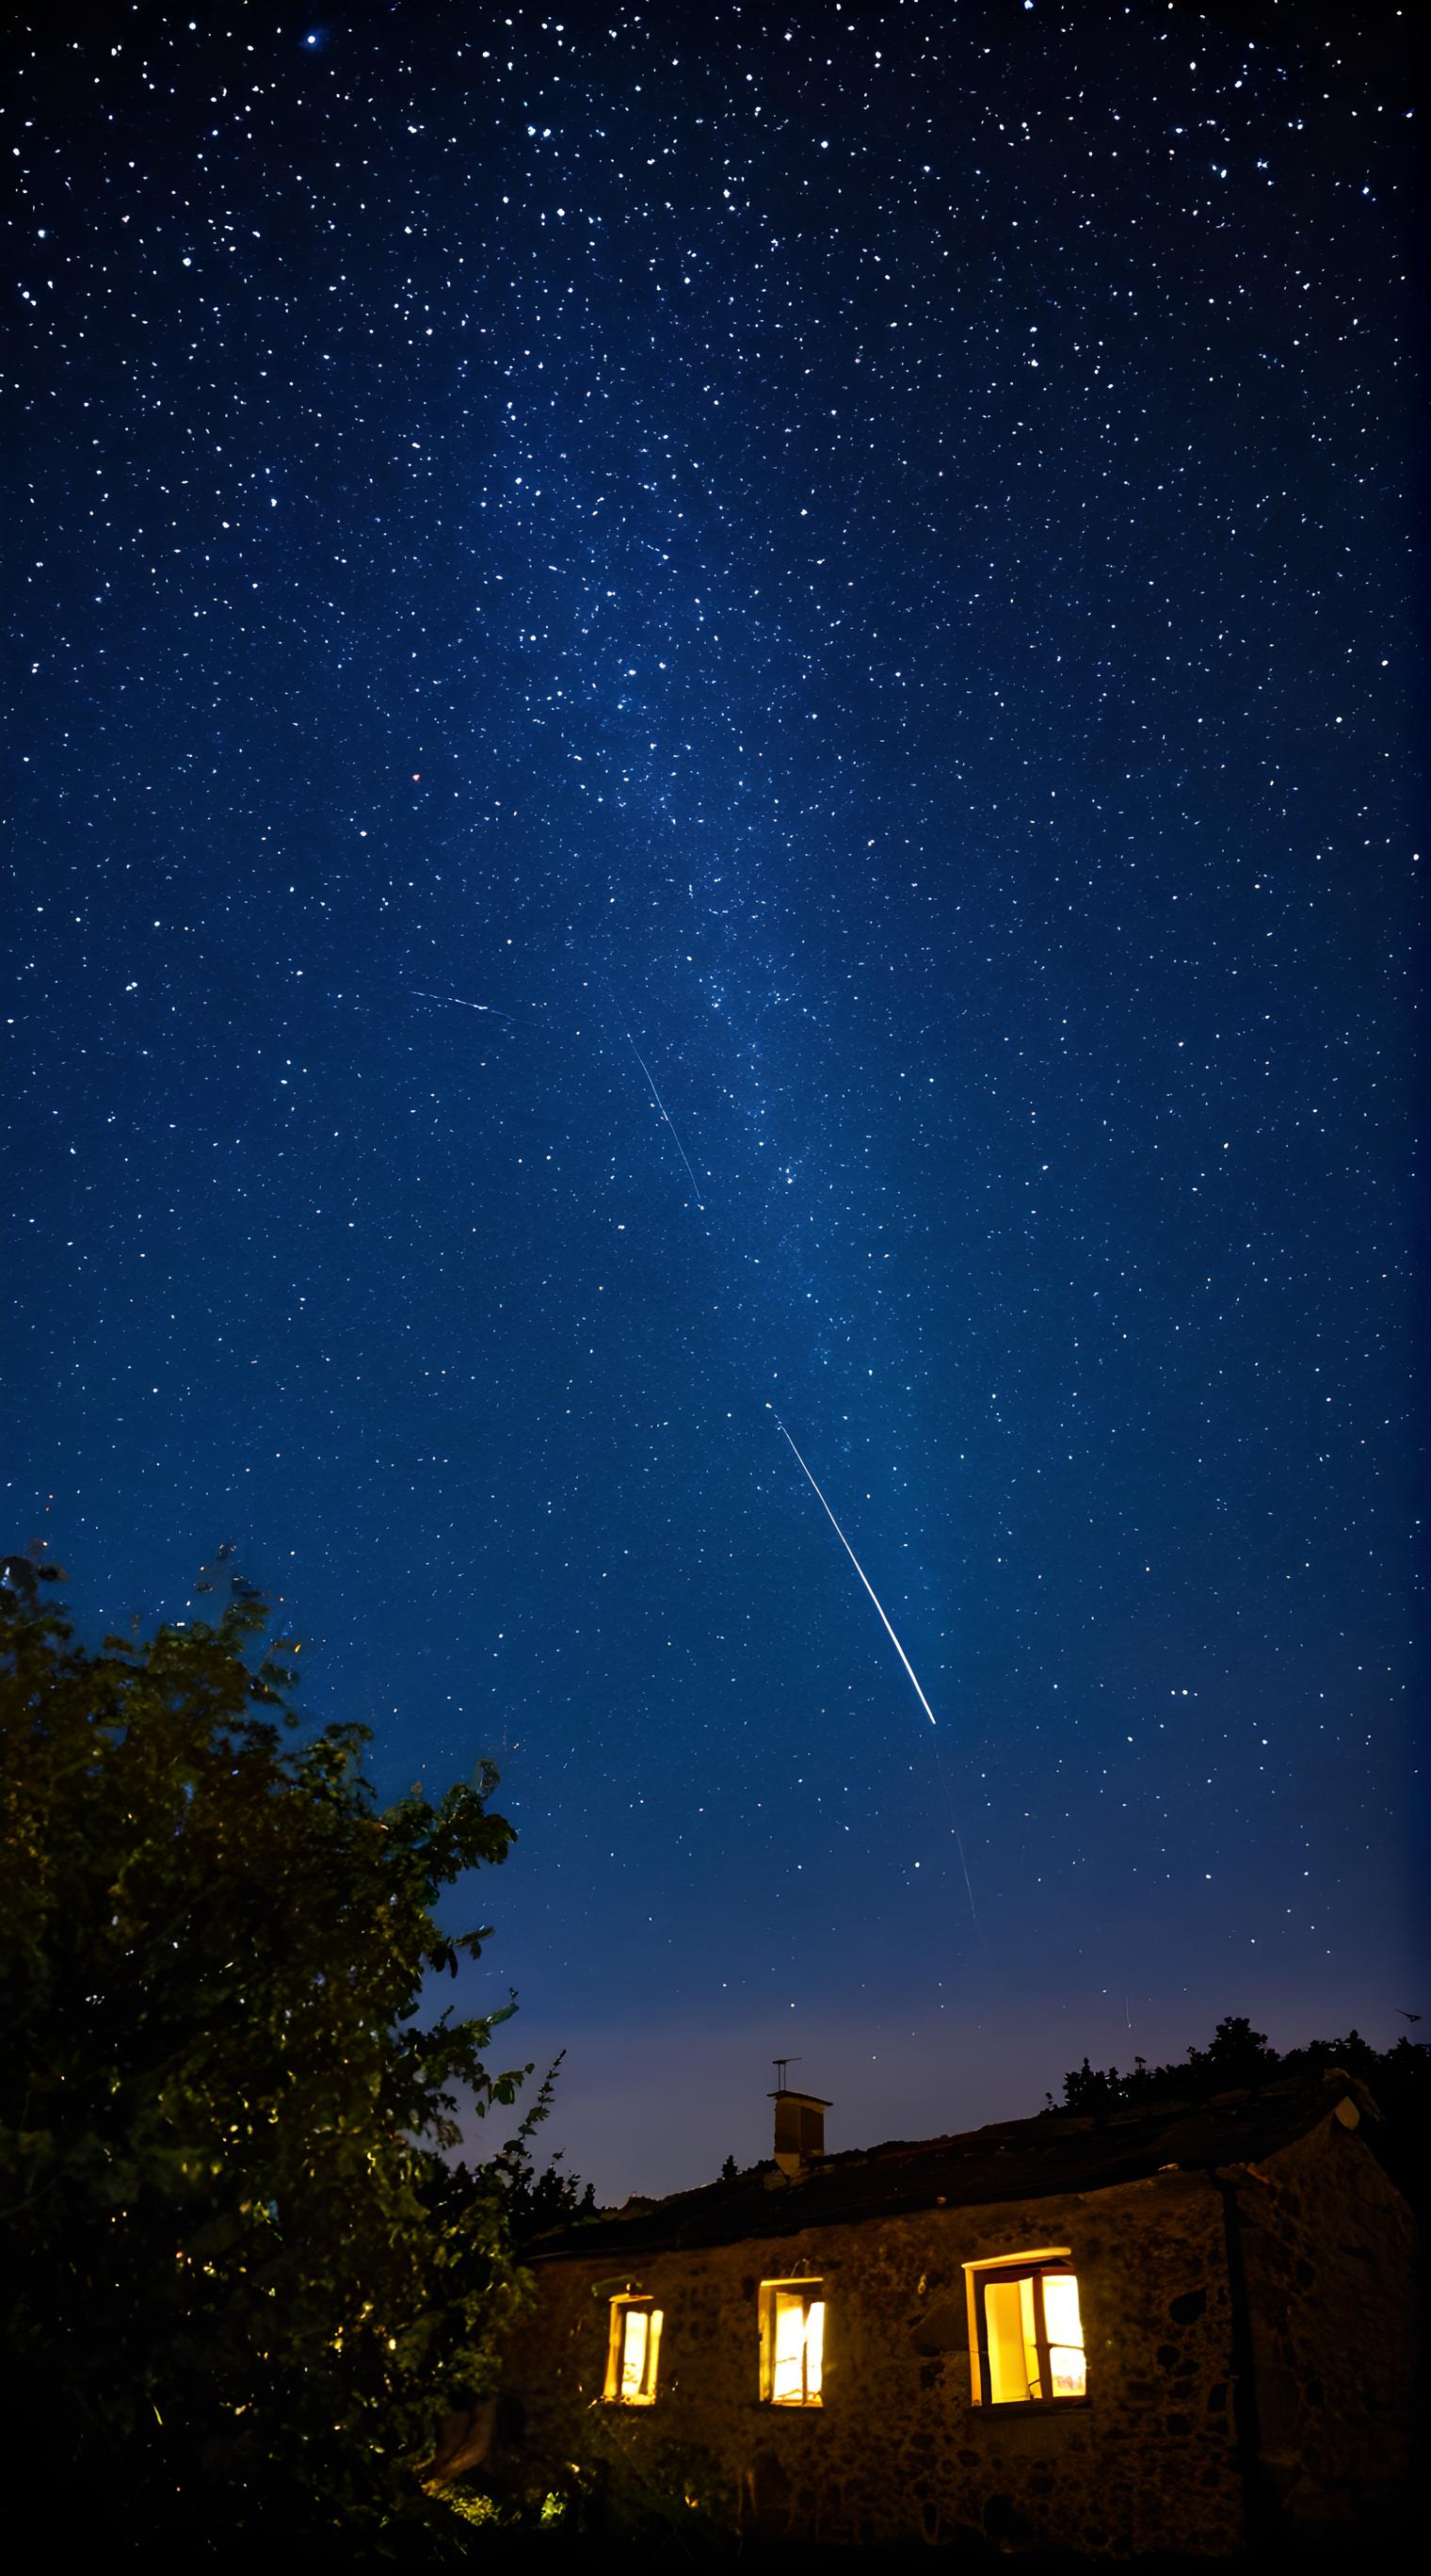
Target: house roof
1011,2160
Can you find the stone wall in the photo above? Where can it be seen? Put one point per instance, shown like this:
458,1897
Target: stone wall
898,2451
1329,2256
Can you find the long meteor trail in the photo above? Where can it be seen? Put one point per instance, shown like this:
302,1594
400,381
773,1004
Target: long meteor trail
680,1148
869,1587
903,1657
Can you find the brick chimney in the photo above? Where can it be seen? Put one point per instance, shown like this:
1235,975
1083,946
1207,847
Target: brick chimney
799,2130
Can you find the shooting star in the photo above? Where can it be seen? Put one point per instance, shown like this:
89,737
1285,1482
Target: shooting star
462,1003
680,1148
869,1587
903,1657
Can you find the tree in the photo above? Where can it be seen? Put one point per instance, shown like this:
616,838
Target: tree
233,2288
532,2203
1238,2058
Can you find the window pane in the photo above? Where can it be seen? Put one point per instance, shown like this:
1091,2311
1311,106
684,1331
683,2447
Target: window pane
1070,2371
1060,2309
1018,2308
1064,2328
1013,2343
814,2347
787,2379
1012,2356
633,2353
794,2345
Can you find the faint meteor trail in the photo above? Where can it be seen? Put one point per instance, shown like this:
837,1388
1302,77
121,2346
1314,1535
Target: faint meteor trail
462,1003
680,1148
903,1657
663,1112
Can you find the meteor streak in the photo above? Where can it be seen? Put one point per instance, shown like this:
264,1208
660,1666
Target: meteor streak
680,1148
869,1587
462,1004
904,1659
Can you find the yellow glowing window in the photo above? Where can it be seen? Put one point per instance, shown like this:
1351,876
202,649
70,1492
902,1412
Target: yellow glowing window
792,2342
633,2352
1030,2336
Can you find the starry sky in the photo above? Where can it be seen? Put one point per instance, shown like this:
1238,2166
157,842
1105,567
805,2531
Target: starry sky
713,717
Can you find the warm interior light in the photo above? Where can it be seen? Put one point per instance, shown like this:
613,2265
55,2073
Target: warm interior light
1013,2342
635,2331
635,2349
814,2347
789,2381
795,2328
1064,2328
1032,2337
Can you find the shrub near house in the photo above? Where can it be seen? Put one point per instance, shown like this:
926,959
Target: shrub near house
237,2291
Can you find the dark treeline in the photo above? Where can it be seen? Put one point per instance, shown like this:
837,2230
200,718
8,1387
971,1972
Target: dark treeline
1239,2059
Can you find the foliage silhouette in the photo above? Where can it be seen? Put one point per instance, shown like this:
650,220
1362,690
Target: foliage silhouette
236,2292
1238,2058
532,2202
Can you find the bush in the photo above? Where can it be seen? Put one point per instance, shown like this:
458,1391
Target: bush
236,2292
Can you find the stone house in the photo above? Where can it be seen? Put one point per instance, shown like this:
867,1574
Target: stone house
1183,2329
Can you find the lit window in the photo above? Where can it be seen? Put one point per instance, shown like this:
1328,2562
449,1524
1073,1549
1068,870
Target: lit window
792,2342
1027,2333
633,2352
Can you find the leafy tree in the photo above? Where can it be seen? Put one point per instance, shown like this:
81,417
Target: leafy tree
531,2202
232,2292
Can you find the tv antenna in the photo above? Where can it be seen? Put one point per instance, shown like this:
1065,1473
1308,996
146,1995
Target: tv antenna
780,2064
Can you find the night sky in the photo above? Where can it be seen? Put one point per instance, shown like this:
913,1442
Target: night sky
714,717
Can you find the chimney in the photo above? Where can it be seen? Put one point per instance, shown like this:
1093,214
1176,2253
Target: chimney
799,2129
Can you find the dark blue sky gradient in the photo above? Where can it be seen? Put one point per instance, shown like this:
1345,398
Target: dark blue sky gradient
867,557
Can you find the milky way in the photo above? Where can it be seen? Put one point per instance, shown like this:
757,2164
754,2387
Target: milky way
869,550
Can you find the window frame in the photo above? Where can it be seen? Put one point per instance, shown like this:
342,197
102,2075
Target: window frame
1006,2271
810,2289
623,2305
